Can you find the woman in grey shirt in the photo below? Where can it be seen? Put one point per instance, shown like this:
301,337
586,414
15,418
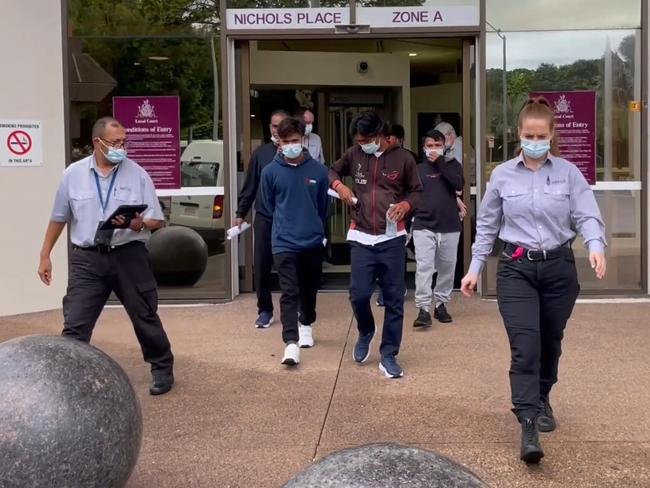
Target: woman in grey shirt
535,203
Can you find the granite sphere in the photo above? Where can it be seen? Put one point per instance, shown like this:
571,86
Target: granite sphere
178,256
69,416
386,466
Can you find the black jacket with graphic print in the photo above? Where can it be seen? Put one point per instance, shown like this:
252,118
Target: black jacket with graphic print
378,181
438,210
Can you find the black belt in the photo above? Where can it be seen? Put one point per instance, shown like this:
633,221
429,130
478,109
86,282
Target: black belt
107,249
518,252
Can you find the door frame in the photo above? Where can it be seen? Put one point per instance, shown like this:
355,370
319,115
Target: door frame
234,112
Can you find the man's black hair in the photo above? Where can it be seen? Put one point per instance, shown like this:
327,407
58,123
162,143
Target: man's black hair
395,130
367,124
291,125
436,135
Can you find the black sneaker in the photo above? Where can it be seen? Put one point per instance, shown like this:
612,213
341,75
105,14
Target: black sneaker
545,419
423,320
441,314
531,450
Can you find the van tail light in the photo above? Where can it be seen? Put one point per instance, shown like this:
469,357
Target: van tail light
217,207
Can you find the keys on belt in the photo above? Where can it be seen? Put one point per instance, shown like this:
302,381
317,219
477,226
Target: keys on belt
518,252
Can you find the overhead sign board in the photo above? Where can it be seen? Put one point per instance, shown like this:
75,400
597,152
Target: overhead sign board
377,17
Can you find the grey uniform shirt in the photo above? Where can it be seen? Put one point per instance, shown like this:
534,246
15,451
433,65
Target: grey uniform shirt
315,146
537,209
77,200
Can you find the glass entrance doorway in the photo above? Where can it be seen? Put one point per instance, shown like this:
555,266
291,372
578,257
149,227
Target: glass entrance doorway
415,83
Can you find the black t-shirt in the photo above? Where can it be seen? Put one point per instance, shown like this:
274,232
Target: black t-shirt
437,209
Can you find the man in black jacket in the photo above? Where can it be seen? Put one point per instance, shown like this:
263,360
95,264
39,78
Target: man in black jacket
250,192
436,229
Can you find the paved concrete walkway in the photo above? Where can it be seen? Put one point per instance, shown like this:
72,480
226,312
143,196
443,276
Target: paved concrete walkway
237,418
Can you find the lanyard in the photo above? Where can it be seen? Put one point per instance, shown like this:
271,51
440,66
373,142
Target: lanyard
103,203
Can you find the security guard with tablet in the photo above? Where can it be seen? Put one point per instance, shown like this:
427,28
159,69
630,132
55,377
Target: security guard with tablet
109,253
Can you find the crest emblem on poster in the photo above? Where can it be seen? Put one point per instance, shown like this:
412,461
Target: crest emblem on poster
146,110
563,106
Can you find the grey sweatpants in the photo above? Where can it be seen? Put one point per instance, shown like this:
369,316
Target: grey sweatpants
434,252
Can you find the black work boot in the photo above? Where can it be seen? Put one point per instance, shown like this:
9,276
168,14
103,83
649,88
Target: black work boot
161,382
531,450
545,419
442,315
423,320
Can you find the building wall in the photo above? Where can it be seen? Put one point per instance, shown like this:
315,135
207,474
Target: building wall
447,97
32,89
269,68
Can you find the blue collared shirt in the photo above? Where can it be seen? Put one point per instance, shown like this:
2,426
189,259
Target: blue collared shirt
77,200
538,210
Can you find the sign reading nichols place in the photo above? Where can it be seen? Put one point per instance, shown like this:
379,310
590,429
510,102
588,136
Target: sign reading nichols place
153,132
379,17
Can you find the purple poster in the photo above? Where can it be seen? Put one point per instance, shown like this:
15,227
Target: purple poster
575,126
153,130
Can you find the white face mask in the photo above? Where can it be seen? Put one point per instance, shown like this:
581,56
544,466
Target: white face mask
433,153
308,129
274,140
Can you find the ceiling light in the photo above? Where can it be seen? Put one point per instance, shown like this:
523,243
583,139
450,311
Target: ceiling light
413,54
136,64
158,58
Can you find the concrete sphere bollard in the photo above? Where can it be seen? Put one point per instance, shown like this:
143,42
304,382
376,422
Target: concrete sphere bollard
178,256
385,466
69,416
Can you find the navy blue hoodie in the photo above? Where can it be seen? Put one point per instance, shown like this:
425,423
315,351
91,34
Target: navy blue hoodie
296,198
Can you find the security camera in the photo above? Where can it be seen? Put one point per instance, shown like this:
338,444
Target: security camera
362,67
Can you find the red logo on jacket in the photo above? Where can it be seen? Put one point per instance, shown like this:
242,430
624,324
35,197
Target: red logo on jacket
392,176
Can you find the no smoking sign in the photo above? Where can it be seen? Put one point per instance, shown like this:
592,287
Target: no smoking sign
21,143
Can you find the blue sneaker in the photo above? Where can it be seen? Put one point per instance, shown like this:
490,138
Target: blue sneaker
264,320
362,347
390,368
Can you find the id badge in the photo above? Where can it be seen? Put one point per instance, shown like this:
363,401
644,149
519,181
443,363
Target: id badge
103,237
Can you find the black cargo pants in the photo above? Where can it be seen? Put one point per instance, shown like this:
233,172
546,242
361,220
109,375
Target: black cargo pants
535,299
124,270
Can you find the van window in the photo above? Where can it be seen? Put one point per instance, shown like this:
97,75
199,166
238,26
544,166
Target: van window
199,174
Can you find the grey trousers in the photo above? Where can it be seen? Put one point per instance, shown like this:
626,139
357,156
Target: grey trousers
434,252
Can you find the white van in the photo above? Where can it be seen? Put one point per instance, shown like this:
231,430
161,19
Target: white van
201,166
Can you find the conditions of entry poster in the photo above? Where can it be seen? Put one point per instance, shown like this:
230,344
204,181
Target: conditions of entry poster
575,128
153,131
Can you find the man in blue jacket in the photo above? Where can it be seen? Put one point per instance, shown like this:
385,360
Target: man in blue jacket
294,193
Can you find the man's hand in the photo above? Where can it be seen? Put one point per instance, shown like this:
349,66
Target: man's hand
468,284
121,222
598,264
345,193
239,221
45,270
398,211
462,208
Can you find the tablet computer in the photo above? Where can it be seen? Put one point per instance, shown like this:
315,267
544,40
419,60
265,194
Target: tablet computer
128,211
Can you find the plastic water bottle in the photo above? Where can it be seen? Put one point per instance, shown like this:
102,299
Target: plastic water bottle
391,225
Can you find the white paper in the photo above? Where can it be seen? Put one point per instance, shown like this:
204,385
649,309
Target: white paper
334,194
235,231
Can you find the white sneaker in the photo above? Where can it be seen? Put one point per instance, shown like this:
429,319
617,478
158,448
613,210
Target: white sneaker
306,336
291,355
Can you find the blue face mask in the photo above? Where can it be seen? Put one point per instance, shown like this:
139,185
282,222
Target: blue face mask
292,151
370,148
113,155
535,150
